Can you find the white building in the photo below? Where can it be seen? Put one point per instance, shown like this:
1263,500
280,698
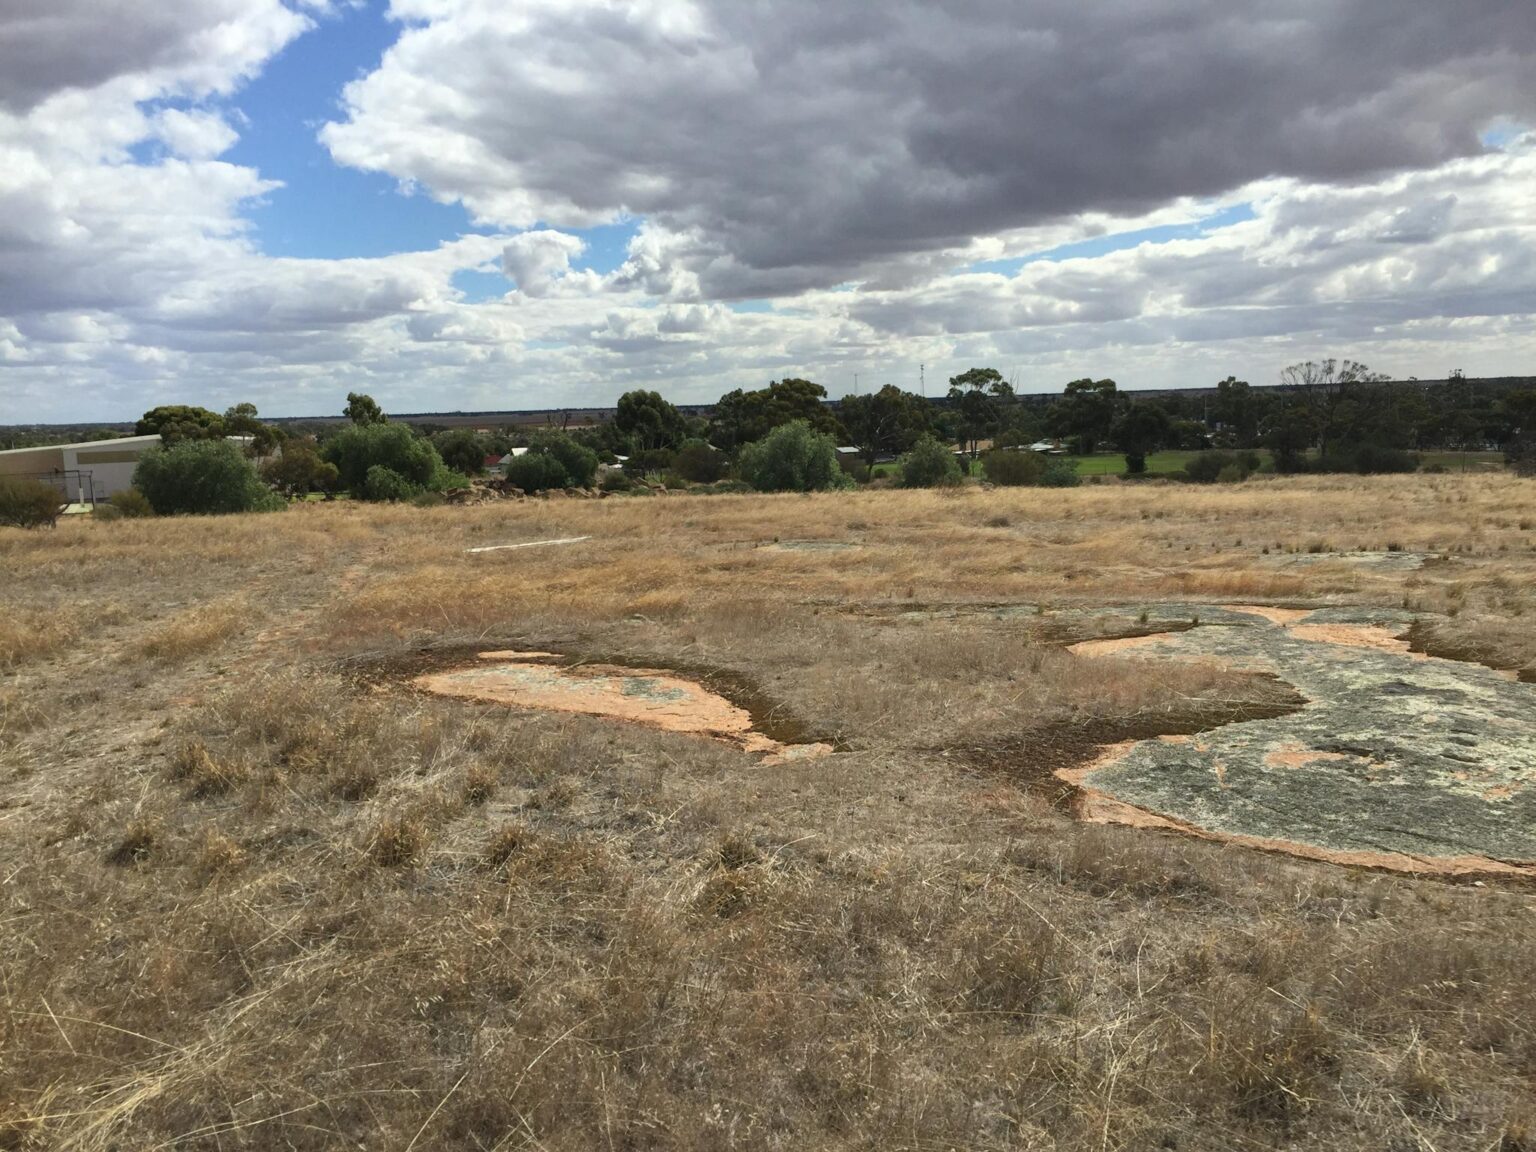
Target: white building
84,473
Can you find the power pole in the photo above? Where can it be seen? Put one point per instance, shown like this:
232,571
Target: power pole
922,379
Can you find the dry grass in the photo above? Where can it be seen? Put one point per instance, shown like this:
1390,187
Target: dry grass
256,894
195,631
34,634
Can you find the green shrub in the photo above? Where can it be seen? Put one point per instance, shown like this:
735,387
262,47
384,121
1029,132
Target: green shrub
1221,467
1030,469
462,450
1373,459
642,464
298,470
202,477
579,463
131,504
698,463
385,483
29,503
792,458
359,448
930,464
428,499
615,481
1060,473
553,460
1014,469
728,488
1364,459
535,472
1520,455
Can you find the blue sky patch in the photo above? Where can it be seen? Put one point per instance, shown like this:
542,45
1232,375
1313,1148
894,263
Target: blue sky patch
324,210
607,245
1120,241
1502,133
327,211
479,287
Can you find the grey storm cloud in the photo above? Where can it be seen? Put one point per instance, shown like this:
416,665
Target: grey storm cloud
52,46
800,142
873,161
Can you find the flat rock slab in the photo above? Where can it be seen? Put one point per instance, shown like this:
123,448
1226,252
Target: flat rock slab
1374,561
650,697
1398,760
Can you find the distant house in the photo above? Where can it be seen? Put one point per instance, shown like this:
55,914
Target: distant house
491,464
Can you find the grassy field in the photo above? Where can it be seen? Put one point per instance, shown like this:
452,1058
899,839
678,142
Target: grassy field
1463,461
1101,464
1113,464
257,892
1173,461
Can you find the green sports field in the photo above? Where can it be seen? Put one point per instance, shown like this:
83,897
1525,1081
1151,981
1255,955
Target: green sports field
1173,461
1113,464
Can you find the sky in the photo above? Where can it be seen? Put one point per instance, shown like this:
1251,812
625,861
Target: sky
481,205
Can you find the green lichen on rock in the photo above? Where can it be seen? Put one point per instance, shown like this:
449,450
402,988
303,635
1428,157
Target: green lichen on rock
1393,753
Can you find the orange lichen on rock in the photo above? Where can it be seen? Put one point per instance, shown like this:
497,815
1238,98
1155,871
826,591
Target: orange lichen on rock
1356,636
1095,807
1297,756
652,697
1117,646
1280,616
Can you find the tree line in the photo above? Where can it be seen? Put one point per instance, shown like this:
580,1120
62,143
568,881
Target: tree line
1328,415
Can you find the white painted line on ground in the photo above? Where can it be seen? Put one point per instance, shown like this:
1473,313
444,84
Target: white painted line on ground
530,544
